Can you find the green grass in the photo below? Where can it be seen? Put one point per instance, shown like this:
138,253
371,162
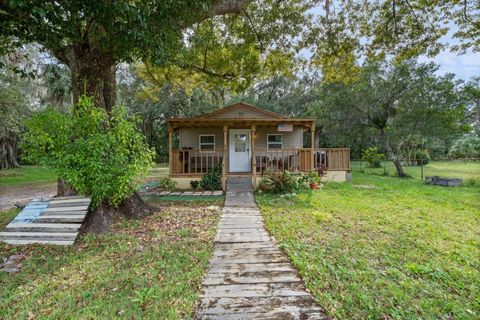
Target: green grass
26,175
146,269
468,171
158,172
383,247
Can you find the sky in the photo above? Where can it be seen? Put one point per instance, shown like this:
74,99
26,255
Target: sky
465,66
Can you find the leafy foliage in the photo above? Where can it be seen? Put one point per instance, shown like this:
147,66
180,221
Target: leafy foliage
466,147
391,104
194,184
13,108
278,182
212,180
422,157
373,157
100,155
167,184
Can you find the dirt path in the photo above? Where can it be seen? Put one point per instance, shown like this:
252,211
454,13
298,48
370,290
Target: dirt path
11,195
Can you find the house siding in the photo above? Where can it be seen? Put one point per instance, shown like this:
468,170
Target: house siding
292,139
248,113
189,137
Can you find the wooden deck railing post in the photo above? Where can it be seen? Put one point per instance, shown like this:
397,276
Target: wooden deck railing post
312,146
170,150
225,158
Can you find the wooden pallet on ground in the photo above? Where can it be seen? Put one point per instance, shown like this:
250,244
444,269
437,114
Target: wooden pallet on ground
48,221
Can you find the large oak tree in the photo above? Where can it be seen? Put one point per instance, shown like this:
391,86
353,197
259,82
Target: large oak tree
92,37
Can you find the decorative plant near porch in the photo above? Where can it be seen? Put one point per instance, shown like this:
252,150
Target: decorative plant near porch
278,182
100,155
313,179
212,180
167,184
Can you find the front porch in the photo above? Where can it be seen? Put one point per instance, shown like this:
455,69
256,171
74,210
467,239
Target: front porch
195,162
247,141
189,162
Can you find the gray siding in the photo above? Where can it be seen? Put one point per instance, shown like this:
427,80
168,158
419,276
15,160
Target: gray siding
189,137
290,139
247,113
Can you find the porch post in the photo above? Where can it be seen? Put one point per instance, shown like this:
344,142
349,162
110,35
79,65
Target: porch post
312,146
254,158
170,150
225,158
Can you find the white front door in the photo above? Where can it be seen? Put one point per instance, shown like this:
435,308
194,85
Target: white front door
239,155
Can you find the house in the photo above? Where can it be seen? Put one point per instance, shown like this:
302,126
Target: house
248,141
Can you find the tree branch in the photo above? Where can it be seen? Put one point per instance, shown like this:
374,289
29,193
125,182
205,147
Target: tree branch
227,76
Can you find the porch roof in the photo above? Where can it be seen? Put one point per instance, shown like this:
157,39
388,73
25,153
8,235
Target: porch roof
174,123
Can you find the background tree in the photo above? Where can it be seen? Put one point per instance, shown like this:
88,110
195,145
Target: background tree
396,103
14,107
91,38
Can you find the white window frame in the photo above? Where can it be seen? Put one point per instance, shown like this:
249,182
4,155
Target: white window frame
274,134
209,144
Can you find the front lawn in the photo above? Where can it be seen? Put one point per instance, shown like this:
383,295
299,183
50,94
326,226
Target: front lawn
27,175
146,269
384,248
469,171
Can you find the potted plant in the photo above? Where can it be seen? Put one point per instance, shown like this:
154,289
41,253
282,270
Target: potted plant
313,179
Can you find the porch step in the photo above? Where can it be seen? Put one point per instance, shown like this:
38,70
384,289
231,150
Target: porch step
239,180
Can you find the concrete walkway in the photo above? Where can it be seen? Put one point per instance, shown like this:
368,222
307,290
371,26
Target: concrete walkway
249,276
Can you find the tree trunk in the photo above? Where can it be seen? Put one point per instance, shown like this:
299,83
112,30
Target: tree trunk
93,75
392,156
99,220
8,153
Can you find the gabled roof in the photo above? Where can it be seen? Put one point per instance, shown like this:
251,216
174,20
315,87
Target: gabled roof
255,112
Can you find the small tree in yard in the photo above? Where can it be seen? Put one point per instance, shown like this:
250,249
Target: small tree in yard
100,155
373,157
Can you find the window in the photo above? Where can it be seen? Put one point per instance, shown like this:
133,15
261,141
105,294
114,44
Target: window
240,142
274,141
240,114
207,141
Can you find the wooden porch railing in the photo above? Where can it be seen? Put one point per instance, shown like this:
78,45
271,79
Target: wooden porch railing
300,159
195,161
333,158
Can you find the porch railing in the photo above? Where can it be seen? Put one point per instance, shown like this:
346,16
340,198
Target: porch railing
300,159
333,158
195,161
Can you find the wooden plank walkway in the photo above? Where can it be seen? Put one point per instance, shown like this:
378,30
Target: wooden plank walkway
48,221
249,276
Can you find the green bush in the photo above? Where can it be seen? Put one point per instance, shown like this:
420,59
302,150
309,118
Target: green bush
212,180
167,184
422,156
194,184
373,157
100,155
279,182
466,147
